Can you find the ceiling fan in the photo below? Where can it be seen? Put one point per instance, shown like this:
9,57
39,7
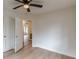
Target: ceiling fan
27,4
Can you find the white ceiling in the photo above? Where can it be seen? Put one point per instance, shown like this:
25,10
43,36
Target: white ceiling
48,5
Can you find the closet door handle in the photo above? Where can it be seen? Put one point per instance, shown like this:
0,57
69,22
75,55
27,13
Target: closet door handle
4,36
16,36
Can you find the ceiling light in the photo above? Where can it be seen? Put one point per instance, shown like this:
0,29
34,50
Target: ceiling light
28,0
26,6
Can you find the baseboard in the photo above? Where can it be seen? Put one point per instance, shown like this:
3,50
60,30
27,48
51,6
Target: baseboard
9,52
55,51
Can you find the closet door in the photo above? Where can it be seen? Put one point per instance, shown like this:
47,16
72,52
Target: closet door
19,36
6,35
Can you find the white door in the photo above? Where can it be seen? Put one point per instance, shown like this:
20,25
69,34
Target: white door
18,34
6,36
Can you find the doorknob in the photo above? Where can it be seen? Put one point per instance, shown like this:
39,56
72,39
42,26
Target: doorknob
16,36
4,36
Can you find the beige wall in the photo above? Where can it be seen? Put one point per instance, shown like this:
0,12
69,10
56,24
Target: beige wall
55,31
30,26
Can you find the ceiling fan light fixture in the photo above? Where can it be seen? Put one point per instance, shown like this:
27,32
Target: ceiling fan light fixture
26,6
28,0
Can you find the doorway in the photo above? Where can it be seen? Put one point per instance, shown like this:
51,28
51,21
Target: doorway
27,25
23,34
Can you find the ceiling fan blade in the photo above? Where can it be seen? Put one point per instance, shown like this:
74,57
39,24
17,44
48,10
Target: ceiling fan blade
28,10
36,5
18,6
19,1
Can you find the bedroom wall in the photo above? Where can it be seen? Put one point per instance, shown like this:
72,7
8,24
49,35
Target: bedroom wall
55,31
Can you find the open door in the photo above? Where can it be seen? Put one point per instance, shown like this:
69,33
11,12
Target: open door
19,35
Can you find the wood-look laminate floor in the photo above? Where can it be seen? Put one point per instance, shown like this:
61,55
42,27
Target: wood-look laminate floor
34,53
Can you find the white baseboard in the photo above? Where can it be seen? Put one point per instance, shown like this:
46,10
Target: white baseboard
54,51
7,50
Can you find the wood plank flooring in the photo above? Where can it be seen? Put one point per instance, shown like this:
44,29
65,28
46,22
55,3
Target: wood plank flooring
35,53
